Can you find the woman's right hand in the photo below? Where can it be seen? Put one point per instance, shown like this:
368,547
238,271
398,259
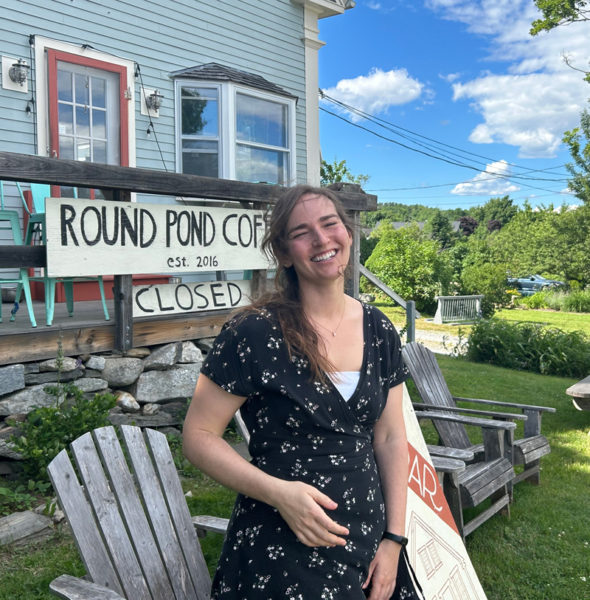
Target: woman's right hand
302,506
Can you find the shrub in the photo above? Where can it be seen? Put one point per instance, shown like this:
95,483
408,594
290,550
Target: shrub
578,301
530,347
537,300
489,280
48,430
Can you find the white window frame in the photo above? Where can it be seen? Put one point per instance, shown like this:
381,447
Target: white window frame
228,124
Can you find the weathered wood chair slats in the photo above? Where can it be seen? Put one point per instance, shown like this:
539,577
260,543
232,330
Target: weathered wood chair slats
434,392
129,518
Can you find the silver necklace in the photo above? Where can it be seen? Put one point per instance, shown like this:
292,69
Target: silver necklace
332,331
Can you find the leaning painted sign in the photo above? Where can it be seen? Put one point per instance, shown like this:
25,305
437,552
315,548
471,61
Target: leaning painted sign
169,299
436,550
120,238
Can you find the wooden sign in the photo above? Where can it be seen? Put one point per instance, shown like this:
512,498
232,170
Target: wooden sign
89,237
435,549
188,297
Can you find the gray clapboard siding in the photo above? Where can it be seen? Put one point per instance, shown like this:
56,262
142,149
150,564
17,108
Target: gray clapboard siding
260,36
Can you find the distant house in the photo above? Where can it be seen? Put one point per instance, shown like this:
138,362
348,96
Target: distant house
222,88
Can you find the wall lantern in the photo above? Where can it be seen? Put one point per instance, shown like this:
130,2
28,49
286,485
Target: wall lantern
154,100
19,72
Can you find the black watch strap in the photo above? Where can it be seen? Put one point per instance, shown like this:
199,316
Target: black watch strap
399,539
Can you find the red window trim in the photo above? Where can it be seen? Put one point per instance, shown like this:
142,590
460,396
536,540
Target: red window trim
53,56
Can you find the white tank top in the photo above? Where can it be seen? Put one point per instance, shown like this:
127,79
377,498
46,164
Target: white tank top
345,382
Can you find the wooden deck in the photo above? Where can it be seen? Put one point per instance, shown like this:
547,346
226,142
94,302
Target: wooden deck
87,331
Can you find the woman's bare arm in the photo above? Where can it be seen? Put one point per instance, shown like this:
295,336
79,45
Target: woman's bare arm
301,505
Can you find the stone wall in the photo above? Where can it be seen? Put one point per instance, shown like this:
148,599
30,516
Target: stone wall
151,385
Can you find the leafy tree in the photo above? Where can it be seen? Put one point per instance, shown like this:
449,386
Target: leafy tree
367,245
495,209
467,225
410,264
494,225
338,172
580,170
559,12
489,280
440,229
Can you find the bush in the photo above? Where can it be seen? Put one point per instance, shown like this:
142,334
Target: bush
489,280
530,347
537,300
48,430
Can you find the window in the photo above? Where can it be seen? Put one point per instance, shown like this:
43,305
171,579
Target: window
233,132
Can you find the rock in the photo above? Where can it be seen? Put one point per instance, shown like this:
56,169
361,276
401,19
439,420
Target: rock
138,352
53,376
68,364
96,363
91,384
6,447
24,527
162,419
175,384
367,297
120,372
189,353
12,378
163,357
31,368
26,400
150,409
127,403
205,344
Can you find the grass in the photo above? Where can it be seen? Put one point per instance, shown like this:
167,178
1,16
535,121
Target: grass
542,552
568,321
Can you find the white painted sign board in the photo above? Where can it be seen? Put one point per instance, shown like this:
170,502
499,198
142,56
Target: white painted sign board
196,296
91,237
435,549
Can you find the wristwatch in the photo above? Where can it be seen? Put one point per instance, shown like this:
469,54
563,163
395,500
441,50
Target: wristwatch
398,539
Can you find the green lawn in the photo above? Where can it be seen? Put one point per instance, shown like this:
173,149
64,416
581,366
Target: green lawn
542,552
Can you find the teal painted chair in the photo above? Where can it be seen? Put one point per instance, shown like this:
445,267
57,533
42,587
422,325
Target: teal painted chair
10,222
36,232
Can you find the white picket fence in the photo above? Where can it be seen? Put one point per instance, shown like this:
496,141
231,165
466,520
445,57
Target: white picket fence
457,309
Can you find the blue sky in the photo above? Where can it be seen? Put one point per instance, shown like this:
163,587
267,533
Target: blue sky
467,76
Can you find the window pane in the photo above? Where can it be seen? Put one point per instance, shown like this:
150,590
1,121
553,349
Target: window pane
98,92
66,119
64,86
99,127
261,121
198,163
261,166
199,145
82,121
99,152
81,88
199,111
66,147
82,149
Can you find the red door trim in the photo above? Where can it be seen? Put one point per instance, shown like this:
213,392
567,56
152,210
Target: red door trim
53,56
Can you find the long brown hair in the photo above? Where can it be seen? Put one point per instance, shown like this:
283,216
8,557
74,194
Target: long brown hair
284,301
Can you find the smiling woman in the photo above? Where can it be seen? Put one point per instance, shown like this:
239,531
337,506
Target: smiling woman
316,376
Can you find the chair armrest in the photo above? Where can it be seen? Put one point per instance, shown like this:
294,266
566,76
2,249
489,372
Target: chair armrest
204,523
74,588
447,452
470,411
508,404
483,423
447,465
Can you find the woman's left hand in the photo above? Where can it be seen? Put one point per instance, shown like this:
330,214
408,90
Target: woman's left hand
383,571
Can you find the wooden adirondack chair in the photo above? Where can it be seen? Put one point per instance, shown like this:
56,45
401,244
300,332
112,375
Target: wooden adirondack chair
435,394
130,520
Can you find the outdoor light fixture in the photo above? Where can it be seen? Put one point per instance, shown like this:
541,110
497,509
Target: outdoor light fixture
19,72
154,100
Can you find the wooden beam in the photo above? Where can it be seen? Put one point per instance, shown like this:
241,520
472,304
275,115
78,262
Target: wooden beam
42,343
39,169
22,256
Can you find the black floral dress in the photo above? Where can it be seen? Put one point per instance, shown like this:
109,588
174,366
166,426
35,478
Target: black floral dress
303,430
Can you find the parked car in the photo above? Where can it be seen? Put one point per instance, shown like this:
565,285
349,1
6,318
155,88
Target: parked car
527,286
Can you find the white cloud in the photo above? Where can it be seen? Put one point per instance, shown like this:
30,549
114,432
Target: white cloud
376,92
492,182
539,96
374,5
